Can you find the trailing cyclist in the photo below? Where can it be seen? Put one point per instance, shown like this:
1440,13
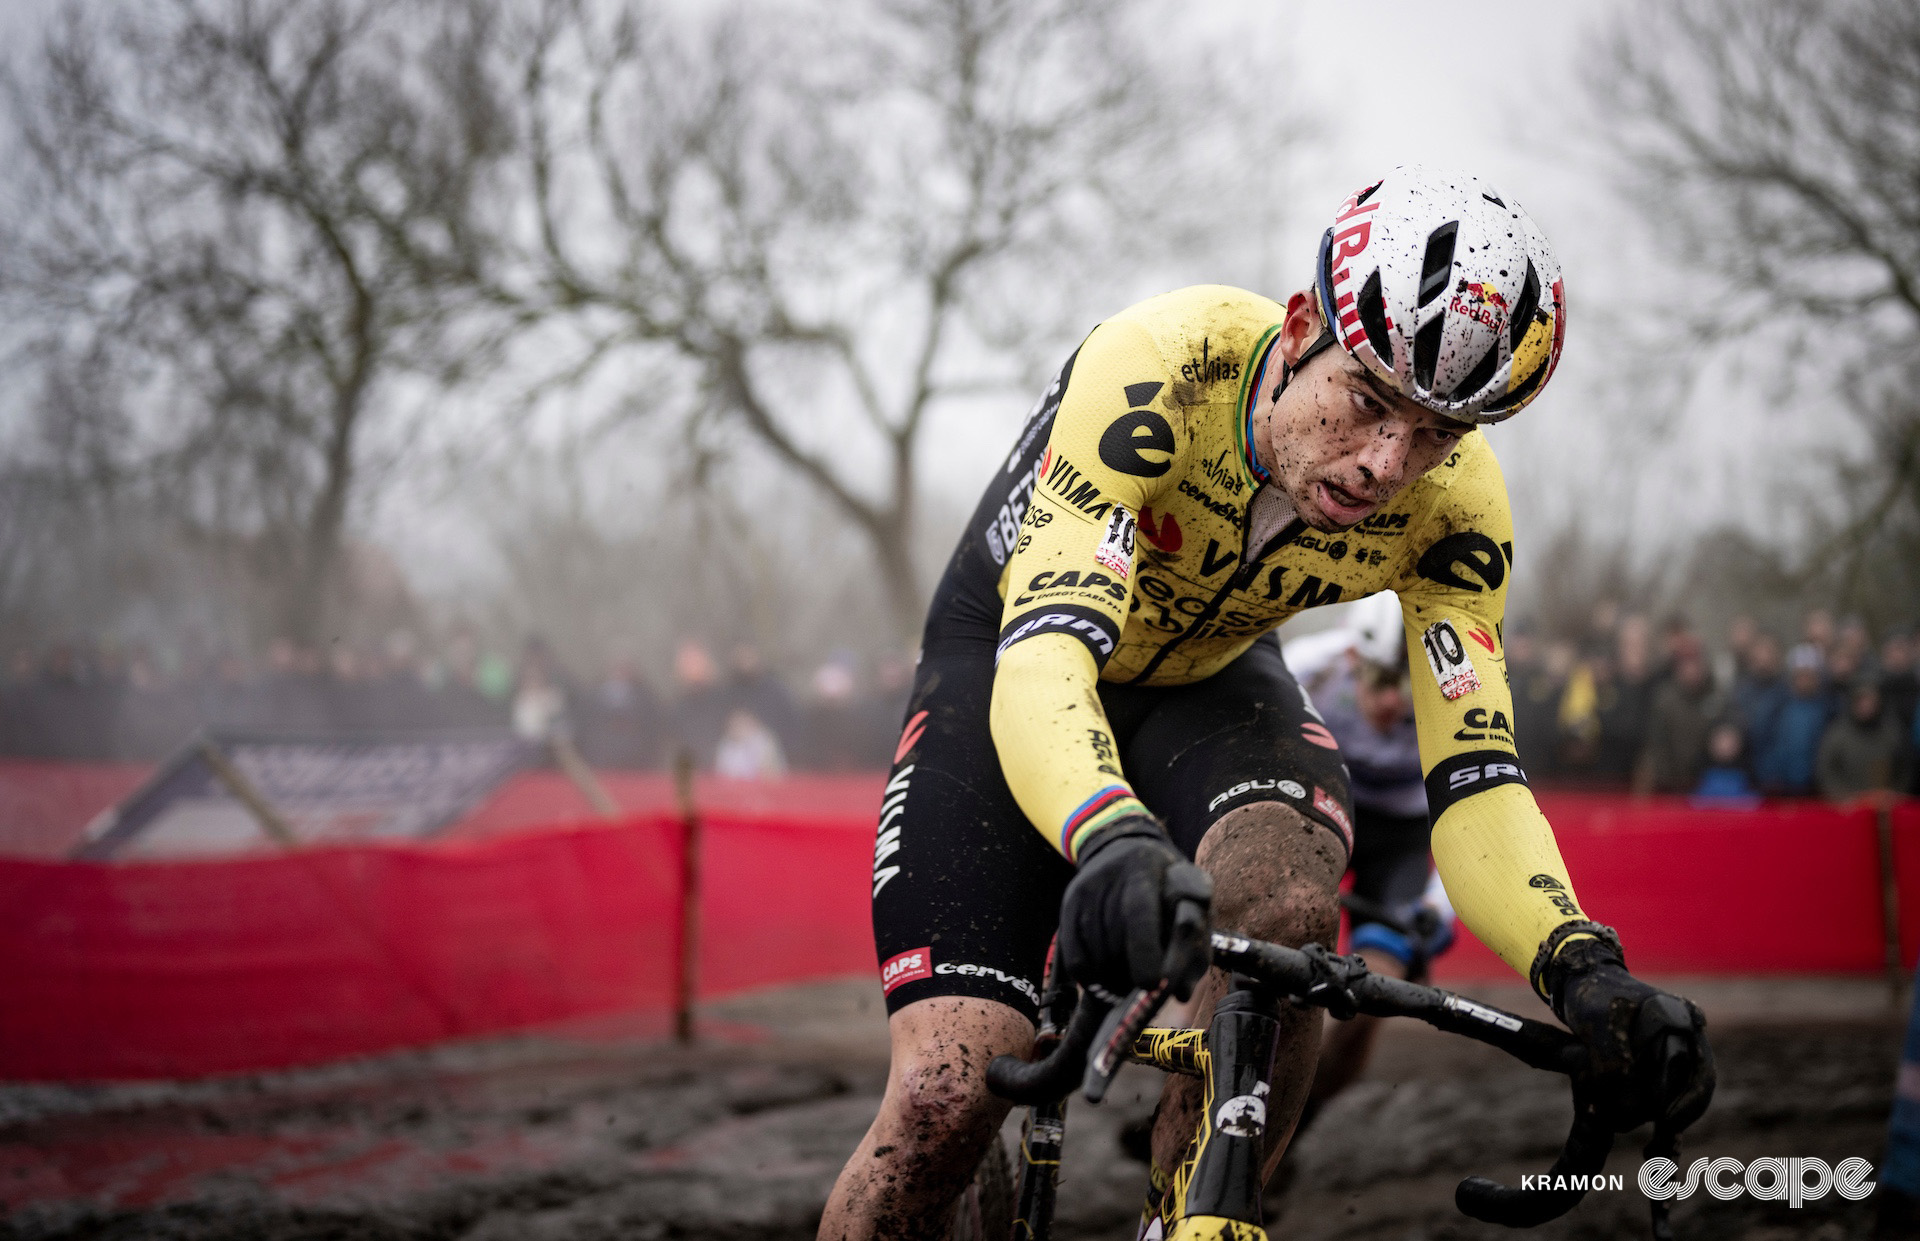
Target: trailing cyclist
1359,679
1102,728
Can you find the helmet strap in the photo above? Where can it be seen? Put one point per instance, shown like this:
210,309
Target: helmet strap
1319,344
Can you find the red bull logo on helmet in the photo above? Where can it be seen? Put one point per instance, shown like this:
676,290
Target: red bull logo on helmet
1481,302
1484,293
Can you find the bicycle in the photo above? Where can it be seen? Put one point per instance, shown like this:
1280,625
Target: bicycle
1214,1195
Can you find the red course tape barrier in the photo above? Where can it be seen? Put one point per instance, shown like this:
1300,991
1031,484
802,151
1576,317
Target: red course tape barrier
1790,888
181,969
188,968
1906,872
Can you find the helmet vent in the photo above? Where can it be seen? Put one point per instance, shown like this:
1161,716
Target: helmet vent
1520,391
1481,374
1437,269
1523,309
1367,193
1373,317
1493,198
1426,352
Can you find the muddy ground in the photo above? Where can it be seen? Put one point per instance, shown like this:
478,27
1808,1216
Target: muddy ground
601,1134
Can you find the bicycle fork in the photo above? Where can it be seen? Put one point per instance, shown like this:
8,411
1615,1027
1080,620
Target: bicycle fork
1215,1193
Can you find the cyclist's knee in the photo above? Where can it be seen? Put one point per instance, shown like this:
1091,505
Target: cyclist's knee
1276,873
938,1092
942,1112
943,1096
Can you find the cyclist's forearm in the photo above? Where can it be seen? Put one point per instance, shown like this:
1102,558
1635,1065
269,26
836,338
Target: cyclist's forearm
1055,746
1497,856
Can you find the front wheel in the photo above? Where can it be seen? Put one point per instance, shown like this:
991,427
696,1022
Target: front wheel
985,1209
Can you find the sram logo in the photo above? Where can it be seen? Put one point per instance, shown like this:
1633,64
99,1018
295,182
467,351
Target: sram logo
1089,627
1466,777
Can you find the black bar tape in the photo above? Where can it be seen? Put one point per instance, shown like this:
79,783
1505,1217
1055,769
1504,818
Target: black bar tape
1094,629
1457,778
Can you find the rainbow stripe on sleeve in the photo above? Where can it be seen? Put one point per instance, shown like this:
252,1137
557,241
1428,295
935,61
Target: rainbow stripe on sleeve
1110,803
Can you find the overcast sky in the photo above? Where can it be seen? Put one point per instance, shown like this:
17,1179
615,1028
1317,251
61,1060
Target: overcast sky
1489,86
1494,87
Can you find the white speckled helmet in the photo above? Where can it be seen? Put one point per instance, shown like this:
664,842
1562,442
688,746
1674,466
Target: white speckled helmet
1375,625
1446,289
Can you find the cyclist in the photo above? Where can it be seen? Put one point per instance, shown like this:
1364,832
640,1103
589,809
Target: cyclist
1101,703
1358,678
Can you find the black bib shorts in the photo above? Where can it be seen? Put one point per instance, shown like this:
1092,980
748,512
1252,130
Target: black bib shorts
966,894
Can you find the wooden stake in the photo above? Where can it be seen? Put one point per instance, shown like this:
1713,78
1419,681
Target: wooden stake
1889,902
575,766
686,972
243,791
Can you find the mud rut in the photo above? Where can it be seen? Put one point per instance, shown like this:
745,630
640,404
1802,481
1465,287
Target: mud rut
584,1138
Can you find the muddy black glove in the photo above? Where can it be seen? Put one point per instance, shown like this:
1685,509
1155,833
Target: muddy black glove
1649,1048
1136,913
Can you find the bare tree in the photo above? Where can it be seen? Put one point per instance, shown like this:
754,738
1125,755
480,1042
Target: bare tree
635,572
1776,145
243,215
842,219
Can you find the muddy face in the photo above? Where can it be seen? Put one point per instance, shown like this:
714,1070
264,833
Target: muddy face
1337,439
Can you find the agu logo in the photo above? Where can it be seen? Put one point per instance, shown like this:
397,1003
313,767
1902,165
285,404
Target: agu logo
913,964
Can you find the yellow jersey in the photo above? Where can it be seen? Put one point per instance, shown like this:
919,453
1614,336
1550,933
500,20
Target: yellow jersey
1115,545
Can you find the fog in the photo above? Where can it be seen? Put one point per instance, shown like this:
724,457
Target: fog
518,490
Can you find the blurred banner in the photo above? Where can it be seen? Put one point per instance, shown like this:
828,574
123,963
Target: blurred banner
170,969
182,968
1792,887
229,791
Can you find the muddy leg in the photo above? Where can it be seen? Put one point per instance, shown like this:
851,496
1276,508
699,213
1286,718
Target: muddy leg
935,1121
1276,875
1346,1046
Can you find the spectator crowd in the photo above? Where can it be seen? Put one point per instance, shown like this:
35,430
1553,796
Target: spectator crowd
1824,711
731,714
